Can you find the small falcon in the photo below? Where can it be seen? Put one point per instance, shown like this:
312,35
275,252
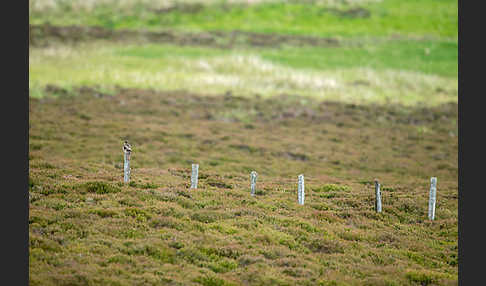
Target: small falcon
127,147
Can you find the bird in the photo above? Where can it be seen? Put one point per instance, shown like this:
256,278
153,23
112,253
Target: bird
127,147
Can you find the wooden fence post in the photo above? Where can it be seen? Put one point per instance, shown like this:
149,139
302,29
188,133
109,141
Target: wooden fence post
378,196
194,176
432,197
127,151
253,178
301,193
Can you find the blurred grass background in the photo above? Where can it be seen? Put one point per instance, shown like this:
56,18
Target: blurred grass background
401,51
320,18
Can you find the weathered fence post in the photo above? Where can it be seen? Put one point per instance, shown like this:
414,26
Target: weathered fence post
253,178
432,197
301,193
378,196
194,175
127,151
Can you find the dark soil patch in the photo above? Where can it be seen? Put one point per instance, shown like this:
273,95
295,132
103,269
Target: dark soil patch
189,8
52,89
84,90
247,148
43,35
219,184
357,12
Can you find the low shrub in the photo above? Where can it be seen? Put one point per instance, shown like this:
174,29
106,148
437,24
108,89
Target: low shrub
99,188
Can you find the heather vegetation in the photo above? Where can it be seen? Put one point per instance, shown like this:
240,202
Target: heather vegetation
343,92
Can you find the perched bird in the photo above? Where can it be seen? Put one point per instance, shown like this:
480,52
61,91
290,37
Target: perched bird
127,147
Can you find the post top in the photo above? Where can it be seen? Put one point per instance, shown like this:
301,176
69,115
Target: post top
127,148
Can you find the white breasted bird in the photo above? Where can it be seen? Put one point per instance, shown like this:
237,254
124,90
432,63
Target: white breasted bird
127,147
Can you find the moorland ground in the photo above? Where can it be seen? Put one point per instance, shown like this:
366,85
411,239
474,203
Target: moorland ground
341,92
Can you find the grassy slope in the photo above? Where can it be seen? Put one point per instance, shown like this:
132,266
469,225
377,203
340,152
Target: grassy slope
87,228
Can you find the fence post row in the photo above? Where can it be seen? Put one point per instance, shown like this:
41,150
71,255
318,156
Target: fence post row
301,189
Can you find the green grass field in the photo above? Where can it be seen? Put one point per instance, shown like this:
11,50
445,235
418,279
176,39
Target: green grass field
398,45
341,91
356,75
383,18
